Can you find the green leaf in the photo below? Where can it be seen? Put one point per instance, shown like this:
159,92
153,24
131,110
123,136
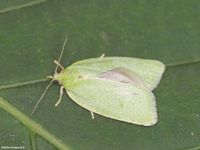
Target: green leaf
31,37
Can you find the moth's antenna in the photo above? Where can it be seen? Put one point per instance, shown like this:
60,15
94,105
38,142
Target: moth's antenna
61,53
38,102
51,77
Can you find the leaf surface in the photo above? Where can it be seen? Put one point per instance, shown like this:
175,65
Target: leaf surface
31,36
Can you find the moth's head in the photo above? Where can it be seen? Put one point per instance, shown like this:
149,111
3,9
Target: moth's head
57,77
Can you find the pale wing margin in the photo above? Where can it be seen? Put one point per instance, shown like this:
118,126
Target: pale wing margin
120,101
149,70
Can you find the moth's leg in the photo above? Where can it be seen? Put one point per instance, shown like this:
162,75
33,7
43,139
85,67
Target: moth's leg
57,63
102,55
60,97
92,114
50,77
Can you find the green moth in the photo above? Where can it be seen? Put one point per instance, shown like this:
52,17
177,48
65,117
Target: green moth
115,87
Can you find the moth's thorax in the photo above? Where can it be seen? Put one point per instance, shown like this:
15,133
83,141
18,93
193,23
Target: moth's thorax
70,76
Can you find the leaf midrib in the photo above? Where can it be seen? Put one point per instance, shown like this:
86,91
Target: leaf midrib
24,83
32,125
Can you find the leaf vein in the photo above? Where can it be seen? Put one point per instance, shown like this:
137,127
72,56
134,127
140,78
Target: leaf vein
30,4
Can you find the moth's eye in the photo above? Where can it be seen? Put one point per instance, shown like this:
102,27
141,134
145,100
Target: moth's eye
79,77
59,70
